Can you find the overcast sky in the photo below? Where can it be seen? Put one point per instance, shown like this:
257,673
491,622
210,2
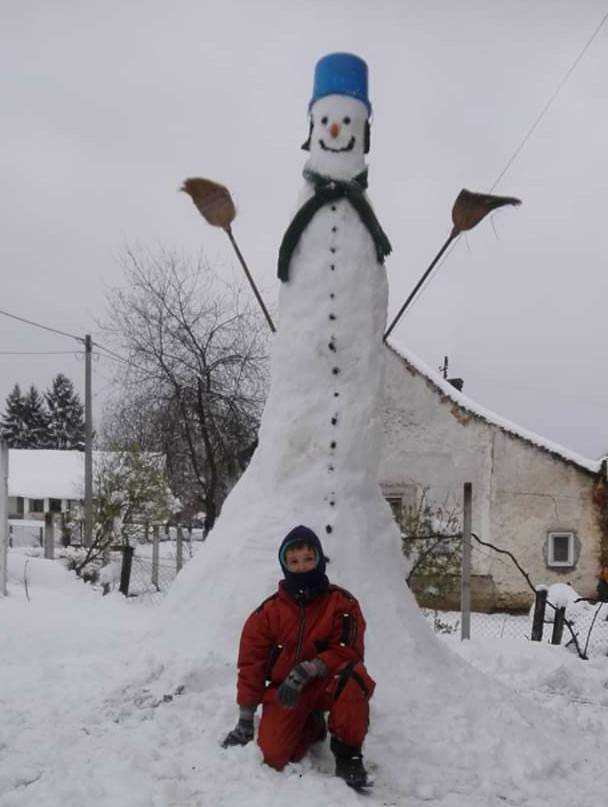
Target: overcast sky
107,107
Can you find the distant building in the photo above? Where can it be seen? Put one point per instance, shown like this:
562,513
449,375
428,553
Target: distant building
538,500
44,481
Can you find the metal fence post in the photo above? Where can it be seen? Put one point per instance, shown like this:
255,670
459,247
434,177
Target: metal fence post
125,569
558,625
155,555
3,519
465,591
538,621
49,536
179,550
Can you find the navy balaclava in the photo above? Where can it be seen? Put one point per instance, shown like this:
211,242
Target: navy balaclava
304,585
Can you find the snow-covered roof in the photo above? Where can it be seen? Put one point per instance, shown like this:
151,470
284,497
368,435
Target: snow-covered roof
472,407
46,473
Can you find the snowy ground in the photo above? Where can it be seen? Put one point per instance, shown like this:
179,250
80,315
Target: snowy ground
84,722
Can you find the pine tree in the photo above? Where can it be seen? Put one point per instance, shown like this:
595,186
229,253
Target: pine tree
36,420
14,429
65,413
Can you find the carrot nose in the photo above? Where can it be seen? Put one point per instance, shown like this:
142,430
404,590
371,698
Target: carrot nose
334,129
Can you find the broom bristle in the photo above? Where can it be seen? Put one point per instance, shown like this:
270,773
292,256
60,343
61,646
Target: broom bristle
470,208
212,200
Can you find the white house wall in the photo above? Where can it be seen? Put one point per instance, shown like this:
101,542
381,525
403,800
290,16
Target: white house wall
534,492
521,491
428,442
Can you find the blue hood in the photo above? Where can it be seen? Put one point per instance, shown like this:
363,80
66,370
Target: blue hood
304,585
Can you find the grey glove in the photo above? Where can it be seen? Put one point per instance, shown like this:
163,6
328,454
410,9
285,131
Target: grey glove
290,690
242,733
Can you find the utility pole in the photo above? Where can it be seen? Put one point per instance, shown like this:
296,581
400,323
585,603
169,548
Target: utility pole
179,550
88,441
465,595
3,517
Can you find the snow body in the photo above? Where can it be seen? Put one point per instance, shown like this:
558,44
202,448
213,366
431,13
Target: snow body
320,437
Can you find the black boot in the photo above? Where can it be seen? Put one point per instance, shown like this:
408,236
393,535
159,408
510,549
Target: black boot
349,764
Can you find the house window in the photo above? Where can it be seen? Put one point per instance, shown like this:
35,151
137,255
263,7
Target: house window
36,505
396,505
55,505
560,549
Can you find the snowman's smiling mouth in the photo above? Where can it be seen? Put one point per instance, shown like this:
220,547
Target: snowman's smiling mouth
349,146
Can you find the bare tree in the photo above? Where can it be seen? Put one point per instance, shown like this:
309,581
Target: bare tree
196,376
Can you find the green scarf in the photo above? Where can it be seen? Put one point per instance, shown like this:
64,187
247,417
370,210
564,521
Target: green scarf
327,190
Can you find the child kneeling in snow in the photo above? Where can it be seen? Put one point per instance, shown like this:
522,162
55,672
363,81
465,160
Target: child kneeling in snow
301,654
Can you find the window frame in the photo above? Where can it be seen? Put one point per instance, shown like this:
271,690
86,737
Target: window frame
561,564
394,500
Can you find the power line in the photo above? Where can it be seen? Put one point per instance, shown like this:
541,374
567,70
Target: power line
527,136
43,327
111,358
55,352
116,357
545,109
112,353
39,352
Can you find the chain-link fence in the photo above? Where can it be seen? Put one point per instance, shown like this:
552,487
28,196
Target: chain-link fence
585,629
145,572
150,582
483,626
579,624
25,534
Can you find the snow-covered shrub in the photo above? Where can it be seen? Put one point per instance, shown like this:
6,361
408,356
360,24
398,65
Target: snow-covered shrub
130,489
432,541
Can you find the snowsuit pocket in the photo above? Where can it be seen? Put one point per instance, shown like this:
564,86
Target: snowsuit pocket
272,660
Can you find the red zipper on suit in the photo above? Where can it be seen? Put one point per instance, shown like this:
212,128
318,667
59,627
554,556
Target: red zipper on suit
300,631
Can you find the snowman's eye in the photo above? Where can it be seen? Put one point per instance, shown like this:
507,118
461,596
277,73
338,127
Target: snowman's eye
346,120
324,120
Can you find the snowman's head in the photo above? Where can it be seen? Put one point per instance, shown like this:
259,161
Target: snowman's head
338,137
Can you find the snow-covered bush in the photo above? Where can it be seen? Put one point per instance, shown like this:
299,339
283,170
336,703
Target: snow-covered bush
130,489
431,539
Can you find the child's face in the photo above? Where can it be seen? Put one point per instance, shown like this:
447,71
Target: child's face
300,560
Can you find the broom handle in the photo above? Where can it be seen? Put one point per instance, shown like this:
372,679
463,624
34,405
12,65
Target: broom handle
437,257
250,279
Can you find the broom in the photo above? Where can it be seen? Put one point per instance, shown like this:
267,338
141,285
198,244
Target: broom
214,202
468,210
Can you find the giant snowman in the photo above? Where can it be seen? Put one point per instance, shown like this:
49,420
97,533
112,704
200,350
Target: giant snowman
320,437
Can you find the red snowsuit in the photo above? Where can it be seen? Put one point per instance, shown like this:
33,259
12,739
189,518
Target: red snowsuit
282,632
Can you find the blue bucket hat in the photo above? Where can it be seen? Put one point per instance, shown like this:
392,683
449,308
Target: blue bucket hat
341,74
